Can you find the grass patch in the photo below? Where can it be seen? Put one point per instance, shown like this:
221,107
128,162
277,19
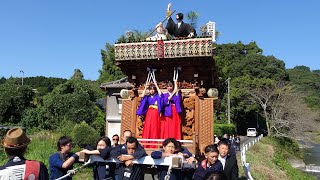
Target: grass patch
268,160
316,138
261,166
241,171
43,144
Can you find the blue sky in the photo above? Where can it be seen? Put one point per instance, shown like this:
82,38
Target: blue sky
52,38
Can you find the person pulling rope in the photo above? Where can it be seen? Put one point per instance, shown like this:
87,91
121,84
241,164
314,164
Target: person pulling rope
74,171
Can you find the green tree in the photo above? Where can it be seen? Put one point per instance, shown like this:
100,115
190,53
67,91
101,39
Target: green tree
99,123
14,99
2,80
77,75
35,118
229,54
193,19
73,100
41,84
307,83
245,65
110,71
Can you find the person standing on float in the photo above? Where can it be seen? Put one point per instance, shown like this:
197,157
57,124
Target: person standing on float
171,113
150,107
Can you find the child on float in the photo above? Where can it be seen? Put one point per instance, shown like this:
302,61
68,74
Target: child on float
211,165
169,148
171,112
150,107
162,33
101,170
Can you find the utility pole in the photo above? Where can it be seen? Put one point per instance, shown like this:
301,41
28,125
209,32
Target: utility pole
228,80
22,77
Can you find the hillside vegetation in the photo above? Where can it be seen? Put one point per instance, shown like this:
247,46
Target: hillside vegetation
268,160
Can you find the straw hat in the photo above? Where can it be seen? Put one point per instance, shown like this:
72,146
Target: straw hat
15,139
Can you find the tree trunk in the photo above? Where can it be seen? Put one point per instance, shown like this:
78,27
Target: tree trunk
267,121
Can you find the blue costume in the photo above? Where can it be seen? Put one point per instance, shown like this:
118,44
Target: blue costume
171,119
151,106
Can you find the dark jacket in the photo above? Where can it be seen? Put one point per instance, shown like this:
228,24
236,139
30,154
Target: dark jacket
183,31
184,151
231,170
102,170
204,170
55,164
136,170
122,149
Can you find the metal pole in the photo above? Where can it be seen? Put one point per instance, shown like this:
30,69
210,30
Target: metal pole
228,100
22,76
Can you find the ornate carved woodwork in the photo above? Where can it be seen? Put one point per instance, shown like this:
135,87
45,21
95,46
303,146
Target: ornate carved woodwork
206,109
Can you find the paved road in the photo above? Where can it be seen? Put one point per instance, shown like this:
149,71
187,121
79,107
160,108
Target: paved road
245,140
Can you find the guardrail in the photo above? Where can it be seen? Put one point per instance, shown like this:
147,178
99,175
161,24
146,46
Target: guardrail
312,168
245,147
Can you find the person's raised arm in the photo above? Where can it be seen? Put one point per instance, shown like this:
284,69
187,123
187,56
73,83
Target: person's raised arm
91,152
145,88
104,153
158,89
155,83
168,10
74,158
140,152
175,90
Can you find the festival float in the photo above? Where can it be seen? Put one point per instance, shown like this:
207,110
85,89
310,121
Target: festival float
190,60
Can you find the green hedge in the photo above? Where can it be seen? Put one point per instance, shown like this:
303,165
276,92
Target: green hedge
84,135
220,129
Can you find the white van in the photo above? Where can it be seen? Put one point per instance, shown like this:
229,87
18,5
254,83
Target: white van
251,132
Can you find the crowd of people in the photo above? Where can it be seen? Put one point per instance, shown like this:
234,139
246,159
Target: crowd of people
234,141
217,162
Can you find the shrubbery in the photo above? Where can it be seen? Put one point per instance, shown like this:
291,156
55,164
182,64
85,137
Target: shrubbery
99,123
83,135
289,144
220,129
